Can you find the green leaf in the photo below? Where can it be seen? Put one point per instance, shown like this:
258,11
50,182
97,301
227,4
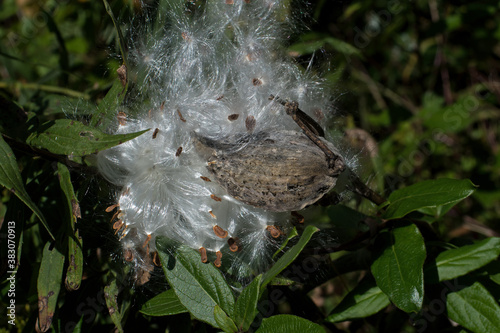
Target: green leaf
71,137
288,324
199,287
292,234
165,304
106,110
399,269
453,263
75,257
474,308
224,322
363,301
49,285
11,179
121,40
111,296
427,194
289,256
245,308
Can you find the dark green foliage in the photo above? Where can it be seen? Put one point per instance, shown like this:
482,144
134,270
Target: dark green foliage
422,77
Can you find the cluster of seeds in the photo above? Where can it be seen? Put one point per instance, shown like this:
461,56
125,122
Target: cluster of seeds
205,71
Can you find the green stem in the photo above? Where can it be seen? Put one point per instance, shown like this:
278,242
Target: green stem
42,87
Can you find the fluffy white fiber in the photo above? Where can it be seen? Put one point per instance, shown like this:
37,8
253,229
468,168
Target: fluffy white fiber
201,66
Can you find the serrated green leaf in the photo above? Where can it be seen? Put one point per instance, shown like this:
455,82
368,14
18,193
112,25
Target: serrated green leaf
165,304
453,263
111,296
223,321
363,301
49,285
199,287
289,256
75,257
427,194
11,179
474,308
245,308
399,269
106,110
71,137
288,324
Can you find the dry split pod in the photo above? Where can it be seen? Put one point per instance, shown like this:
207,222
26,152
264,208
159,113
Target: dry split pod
276,171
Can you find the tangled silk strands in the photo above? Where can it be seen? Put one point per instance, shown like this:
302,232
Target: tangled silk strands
204,71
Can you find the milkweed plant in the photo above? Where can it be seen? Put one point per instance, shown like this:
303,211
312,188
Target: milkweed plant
134,170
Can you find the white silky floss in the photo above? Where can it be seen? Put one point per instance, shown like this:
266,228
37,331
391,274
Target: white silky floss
202,66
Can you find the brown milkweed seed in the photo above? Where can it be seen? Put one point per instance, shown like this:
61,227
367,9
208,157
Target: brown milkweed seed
110,208
220,97
214,197
128,255
203,254
205,178
117,214
117,226
219,232
218,260
123,233
156,259
233,244
122,118
233,117
146,241
155,133
212,214
256,82
300,218
274,231
250,123
180,116
178,152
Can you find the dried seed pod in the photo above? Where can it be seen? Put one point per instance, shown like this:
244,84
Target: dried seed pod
203,254
277,171
205,178
219,232
274,231
218,260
